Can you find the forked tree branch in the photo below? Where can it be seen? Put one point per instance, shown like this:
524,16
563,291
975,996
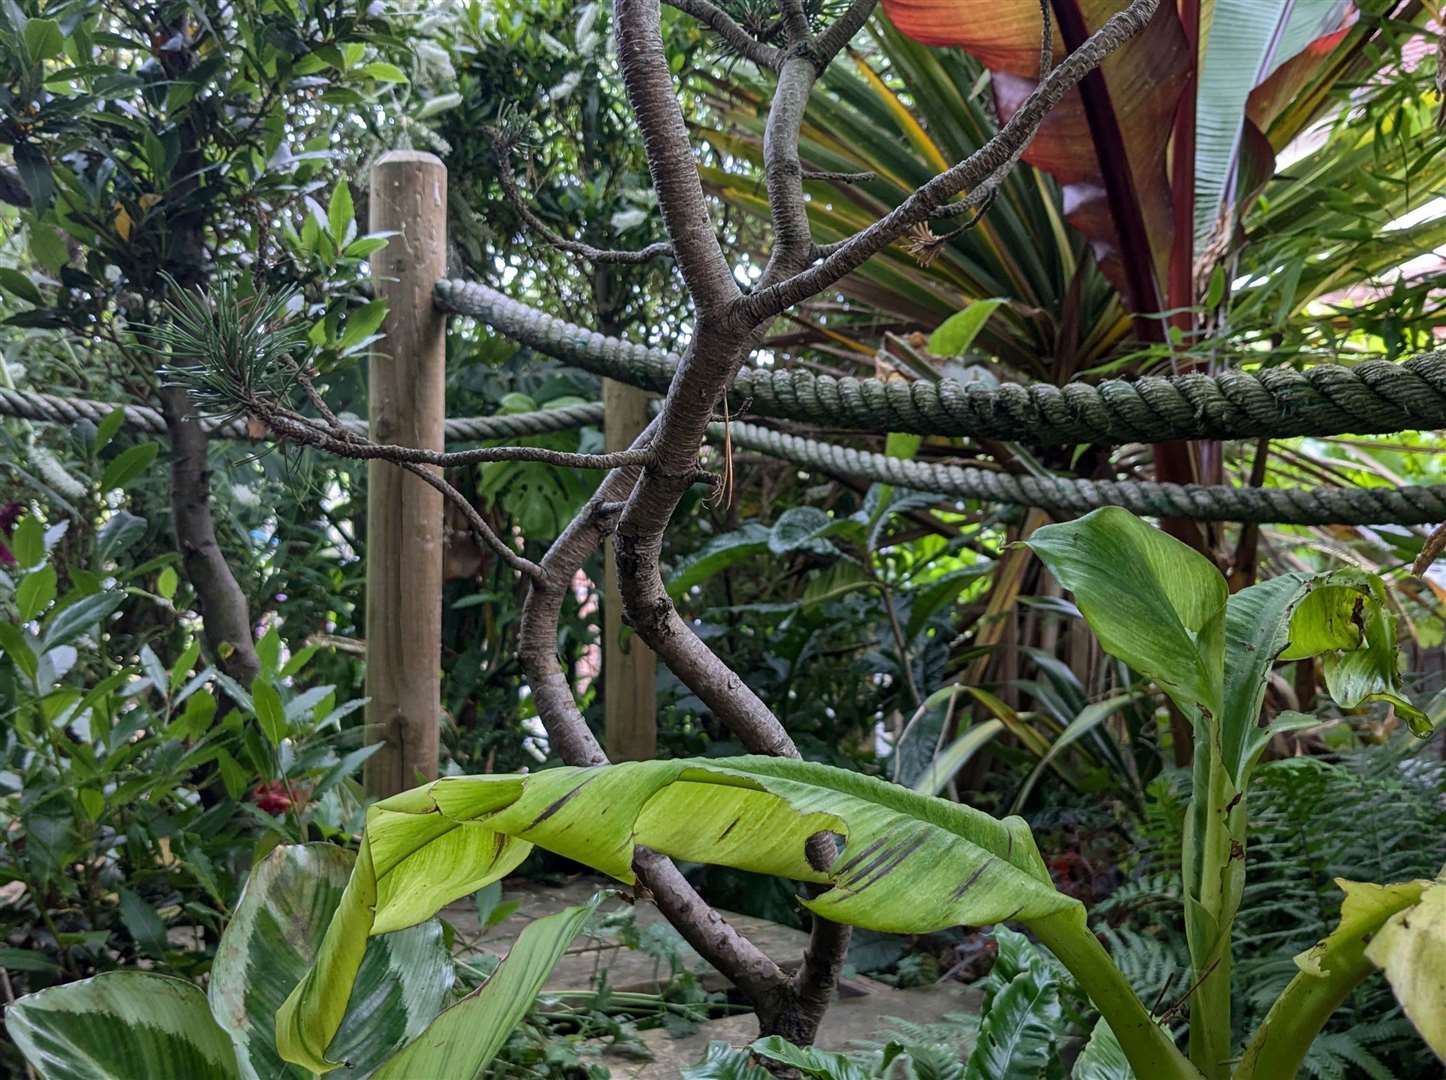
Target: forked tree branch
638,497
998,153
648,81
838,34
717,942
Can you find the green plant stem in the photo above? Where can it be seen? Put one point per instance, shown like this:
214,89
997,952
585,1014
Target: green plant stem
1279,1045
1148,1046
1219,886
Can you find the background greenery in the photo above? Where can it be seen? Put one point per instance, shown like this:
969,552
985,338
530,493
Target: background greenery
208,142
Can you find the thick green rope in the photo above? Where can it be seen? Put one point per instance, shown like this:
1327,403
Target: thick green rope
1297,506
1199,502
55,409
1370,398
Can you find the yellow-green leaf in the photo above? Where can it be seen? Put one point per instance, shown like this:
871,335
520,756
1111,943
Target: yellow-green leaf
1411,950
908,864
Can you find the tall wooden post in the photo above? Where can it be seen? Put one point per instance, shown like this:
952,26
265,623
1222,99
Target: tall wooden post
404,515
630,701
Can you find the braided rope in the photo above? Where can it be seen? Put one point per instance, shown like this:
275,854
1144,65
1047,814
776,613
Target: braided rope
1371,398
54,409
1300,506
1200,502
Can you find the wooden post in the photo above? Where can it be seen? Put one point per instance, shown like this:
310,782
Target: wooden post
630,699
404,515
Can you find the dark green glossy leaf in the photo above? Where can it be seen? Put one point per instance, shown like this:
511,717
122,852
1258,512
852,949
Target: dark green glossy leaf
1017,1033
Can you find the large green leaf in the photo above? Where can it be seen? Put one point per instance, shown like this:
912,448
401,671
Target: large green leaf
717,555
467,1036
1151,600
808,1061
1246,42
404,981
724,1062
124,1025
1411,949
1341,615
908,864
1102,1058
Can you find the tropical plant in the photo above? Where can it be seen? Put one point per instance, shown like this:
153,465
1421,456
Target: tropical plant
1211,652
184,141
131,1024
1090,249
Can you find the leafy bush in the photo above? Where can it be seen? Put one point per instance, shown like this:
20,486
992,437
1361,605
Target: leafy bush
139,789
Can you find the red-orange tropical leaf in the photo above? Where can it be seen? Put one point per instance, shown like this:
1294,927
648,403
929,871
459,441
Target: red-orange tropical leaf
1106,142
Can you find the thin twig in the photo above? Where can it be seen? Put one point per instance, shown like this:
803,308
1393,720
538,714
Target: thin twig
976,170
1046,39
508,179
737,38
840,177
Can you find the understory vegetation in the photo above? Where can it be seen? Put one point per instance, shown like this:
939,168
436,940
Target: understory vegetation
1153,794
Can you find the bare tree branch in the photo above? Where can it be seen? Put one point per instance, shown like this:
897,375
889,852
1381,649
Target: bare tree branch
654,101
225,613
840,177
842,30
783,172
980,166
717,942
795,22
508,179
1046,39
737,38
524,566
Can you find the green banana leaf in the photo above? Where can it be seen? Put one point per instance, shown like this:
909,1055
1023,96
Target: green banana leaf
467,1036
272,939
1169,624
1246,41
908,864
124,1025
1212,652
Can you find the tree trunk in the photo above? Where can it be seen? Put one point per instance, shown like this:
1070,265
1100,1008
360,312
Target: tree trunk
225,613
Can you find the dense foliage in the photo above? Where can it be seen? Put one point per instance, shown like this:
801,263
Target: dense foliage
151,762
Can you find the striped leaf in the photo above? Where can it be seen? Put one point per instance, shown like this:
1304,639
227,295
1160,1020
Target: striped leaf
124,1025
467,1036
908,864
404,980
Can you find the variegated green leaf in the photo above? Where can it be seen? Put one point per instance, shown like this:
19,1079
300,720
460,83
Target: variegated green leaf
908,864
124,1025
467,1036
404,981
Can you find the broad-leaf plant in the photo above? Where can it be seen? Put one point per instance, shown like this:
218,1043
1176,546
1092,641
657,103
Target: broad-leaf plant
908,863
